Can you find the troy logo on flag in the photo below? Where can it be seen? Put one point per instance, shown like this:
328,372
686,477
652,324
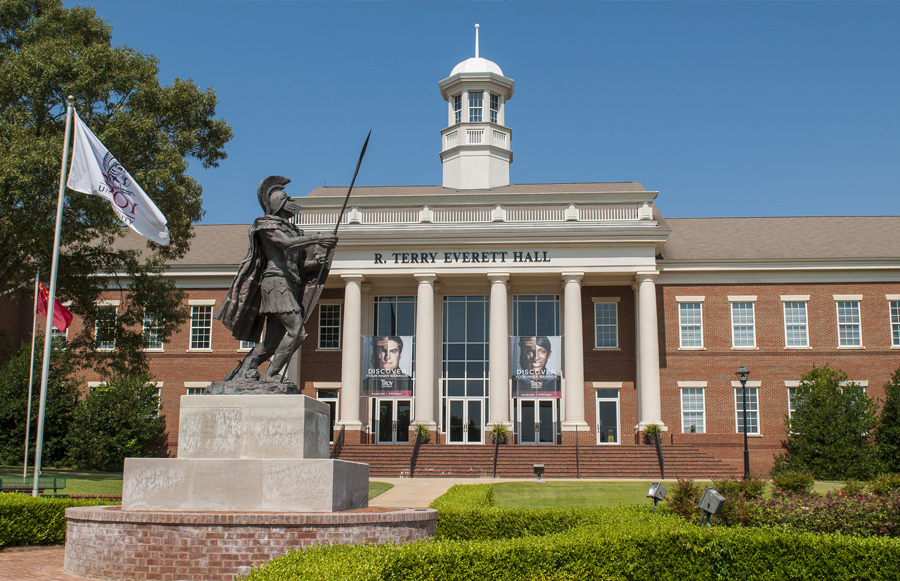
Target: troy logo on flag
116,183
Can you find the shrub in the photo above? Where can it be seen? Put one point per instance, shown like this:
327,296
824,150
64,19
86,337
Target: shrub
423,431
651,433
887,436
733,488
885,484
25,520
852,487
793,482
829,433
117,420
683,498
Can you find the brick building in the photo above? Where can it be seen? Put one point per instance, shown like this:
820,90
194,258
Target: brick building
647,319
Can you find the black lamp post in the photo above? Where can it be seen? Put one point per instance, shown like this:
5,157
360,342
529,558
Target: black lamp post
742,374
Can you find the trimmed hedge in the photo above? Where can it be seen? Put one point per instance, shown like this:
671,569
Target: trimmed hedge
25,520
635,546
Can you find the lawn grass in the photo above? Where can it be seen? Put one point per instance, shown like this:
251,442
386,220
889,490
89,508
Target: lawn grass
376,488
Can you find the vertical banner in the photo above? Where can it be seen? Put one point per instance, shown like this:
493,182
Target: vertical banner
536,365
387,361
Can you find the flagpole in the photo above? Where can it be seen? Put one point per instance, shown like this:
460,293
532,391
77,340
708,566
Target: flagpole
51,300
37,282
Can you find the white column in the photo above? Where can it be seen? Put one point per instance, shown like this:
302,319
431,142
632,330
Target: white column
498,372
637,343
573,350
426,386
650,410
351,356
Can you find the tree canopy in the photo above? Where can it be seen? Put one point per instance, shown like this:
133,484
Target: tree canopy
887,437
48,52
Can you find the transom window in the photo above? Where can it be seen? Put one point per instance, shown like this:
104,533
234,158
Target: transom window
152,332
795,327
606,325
465,346
329,326
690,324
752,410
395,316
895,323
201,327
476,106
743,325
105,328
495,107
849,324
693,410
535,315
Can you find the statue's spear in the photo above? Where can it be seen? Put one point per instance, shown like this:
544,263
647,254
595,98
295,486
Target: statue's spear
323,272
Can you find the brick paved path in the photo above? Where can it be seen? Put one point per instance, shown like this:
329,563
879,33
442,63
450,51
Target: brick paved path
33,564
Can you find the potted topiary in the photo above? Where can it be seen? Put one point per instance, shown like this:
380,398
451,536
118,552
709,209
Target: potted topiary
423,432
499,433
652,433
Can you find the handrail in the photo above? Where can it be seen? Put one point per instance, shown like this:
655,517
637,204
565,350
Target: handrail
577,459
659,457
496,453
415,454
338,444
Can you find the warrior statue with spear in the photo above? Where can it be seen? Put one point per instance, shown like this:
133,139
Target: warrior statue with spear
277,286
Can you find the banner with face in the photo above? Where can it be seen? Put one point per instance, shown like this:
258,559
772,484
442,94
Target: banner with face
536,366
387,362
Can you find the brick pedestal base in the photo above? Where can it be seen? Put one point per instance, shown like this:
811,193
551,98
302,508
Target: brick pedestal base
106,542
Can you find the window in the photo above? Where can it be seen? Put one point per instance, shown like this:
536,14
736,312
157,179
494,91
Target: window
752,410
195,387
693,410
476,104
795,331
247,345
606,325
895,323
465,346
743,325
105,328
849,324
329,326
535,315
457,108
395,316
690,324
153,332
201,327
495,107
792,402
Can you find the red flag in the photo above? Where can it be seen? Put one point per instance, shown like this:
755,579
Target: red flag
62,317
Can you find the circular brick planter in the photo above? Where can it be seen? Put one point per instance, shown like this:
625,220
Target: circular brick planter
105,542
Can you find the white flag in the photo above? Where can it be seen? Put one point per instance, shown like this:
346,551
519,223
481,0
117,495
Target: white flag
95,171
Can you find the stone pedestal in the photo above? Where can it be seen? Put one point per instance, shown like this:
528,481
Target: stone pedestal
242,453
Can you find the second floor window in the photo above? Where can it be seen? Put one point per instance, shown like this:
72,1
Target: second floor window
201,326
743,325
329,326
152,332
795,331
690,324
849,324
105,328
895,323
606,334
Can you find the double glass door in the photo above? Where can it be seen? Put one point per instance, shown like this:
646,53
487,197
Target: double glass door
537,421
465,421
392,420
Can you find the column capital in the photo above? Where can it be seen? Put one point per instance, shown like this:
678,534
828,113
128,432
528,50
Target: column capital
646,275
349,277
423,277
498,276
572,276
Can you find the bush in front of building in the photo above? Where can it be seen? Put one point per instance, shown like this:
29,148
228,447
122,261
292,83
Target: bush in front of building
885,484
830,431
793,482
116,420
637,545
26,521
887,436
62,399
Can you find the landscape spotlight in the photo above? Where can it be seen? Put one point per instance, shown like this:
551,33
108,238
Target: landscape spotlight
710,503
538,470
657,492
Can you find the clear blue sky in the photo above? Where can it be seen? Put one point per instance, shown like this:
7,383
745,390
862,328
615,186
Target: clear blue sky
725,108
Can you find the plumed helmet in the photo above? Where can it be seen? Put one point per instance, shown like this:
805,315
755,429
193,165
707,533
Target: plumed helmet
271,205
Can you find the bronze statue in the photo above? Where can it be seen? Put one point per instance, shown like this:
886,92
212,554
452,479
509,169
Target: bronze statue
277,285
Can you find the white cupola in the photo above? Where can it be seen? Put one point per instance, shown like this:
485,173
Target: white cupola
475,146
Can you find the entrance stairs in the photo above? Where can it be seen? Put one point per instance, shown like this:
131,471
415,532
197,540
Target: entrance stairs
638,462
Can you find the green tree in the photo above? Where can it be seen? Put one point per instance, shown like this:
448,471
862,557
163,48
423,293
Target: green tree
830,431
48,52
116,420
887,436
62,399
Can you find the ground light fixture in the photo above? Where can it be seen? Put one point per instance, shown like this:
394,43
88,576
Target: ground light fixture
538,471
742,374
710,503
657,492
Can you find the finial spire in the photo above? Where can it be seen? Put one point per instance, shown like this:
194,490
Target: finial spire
476,40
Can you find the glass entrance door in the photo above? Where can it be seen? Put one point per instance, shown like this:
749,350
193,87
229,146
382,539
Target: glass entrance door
392,420
537,421
608,416
465,421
